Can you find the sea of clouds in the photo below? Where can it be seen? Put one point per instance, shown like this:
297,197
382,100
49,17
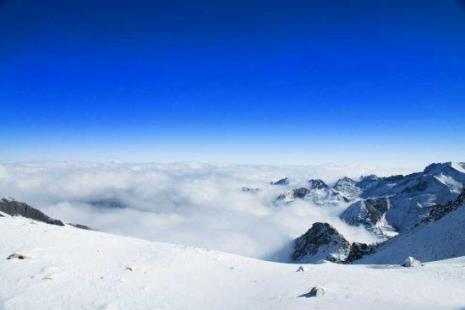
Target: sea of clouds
185,203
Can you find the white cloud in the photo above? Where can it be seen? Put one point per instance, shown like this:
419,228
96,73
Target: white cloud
186,203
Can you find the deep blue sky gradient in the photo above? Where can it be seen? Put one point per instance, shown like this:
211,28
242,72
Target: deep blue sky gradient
378,82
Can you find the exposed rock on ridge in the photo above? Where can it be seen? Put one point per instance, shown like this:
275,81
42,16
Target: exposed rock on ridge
16,208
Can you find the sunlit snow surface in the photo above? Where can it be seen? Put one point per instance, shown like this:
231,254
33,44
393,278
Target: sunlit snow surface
70,268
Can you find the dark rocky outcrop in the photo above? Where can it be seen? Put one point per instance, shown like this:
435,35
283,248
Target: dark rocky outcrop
17,256
16,208
317,184
368,212
300,192
438,211
359,250
376,208
80,226
284,181
342,183
321,241
315,292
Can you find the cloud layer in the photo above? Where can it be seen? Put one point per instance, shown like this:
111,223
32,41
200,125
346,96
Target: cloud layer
185,203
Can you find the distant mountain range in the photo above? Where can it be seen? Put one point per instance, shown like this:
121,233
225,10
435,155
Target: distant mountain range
388,206
316,191
416,214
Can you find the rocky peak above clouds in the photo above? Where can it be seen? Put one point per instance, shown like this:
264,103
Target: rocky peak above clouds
323,196
323,242
386,206
370,213
284,181
410,197
347,187
317,184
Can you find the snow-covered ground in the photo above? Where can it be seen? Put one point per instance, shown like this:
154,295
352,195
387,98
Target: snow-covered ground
69,268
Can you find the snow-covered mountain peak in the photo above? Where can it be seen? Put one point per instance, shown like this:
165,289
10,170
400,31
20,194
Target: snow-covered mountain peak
283,181
370,213
343,182
366,182
347,187
324,196
317,184
321,241
437,167
445,168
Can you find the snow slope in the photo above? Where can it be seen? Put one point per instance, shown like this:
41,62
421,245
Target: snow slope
444,238
69,268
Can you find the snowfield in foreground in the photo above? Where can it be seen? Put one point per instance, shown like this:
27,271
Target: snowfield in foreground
69,268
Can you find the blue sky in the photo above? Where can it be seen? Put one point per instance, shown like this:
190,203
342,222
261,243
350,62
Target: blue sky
294,82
